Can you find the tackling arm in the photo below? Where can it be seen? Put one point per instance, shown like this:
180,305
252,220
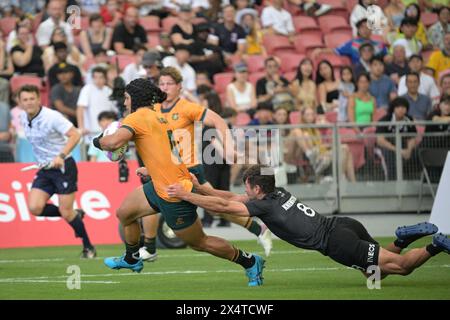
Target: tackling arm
114,141
212,204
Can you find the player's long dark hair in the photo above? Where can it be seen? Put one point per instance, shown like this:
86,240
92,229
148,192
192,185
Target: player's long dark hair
144,93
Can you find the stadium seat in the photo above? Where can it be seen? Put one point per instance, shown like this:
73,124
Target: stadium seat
428,18
338,8
335,60
123,60
330,23
337,38
293,9
275,42
242,119
17,81
355,145
153,38
379,113
168,23
290,61
351,4
255,76
221,81
255,63
305,44
302,23
331,116
295,117
150,23
7,25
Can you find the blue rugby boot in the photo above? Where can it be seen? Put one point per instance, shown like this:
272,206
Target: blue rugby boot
120,263
254,273
442,242
408,234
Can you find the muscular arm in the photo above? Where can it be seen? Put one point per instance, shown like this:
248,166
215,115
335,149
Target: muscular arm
208,190
212,204
114,141
212,119
74,137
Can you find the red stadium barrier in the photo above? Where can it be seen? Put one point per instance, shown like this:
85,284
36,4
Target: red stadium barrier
99,195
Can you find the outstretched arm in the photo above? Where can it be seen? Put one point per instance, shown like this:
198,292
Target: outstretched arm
208,190
210,203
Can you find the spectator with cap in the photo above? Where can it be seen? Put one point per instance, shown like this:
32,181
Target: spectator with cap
419,104
241,95
427,84
381,86
399,65
205,56
183,31
151,61
263,114
440,60
129,33
229,36
64,94
135,70
276,20
180,62
254,40
366,53
351,47
61,56
56,13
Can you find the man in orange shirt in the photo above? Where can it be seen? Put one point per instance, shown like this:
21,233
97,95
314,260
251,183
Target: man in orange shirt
181,115
153,142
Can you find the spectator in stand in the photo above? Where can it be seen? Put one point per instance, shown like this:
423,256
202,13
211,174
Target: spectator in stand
101,59
73,55
303,87
202,79
412,11
229,36
61,56
395,12
381,86
27,7
276,20
327,87
254,39
366,53
407,38
55,10
241,95
445,85
96,36
128,34
362,104
105,118
151,61
205,56
6,71
440,60
243,7
440,116
438,30
174,6
151,7
112,12
180,62
165,47
26,57
136,69
351,48
272,85
346,90
419,104
360,12
64,95
427,85
399,65
183,31
6,136
93,99
311,7
398,110
12,36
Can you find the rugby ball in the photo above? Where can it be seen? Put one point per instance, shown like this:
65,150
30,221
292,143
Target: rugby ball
118,154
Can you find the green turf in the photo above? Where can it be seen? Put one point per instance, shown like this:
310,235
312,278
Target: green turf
291,273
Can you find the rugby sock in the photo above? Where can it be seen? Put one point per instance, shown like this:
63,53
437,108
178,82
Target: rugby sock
78,225
433,250
50,210
150,244
254,227
247,260
132,251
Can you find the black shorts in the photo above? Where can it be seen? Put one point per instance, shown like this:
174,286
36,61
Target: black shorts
55,181
351,245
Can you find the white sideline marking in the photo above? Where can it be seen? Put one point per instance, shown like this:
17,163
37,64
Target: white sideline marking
31,260
19,280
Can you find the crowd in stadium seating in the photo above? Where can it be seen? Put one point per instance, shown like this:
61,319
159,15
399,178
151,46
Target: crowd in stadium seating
270,61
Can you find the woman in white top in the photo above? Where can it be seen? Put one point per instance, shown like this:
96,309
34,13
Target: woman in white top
241,94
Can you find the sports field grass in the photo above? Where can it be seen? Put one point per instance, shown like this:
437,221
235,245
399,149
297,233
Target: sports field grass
290,273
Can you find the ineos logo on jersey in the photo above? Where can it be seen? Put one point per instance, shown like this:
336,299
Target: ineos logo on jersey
371,253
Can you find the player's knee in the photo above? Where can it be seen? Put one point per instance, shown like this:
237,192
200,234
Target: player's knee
35,209
123,216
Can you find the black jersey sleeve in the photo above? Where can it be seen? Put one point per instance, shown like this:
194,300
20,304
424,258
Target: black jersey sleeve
257,207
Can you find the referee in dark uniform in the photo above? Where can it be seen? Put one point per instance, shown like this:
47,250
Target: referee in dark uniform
345,240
